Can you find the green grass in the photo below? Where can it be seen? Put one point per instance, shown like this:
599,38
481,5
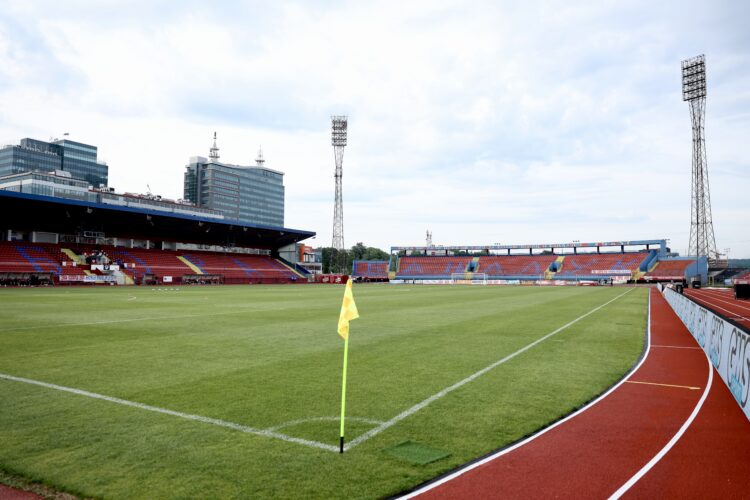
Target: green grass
263,356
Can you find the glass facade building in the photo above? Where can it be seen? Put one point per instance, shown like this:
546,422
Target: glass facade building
252,194
76,158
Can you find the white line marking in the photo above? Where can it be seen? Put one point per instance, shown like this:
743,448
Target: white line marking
323,419
701,296
406,413
677,347
531,438
165,411
703,301
126,320
644,470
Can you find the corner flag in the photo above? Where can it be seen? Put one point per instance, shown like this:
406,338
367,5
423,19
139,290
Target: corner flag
348,311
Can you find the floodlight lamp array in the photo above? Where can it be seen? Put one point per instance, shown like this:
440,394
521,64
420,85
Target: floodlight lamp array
338,130
694,78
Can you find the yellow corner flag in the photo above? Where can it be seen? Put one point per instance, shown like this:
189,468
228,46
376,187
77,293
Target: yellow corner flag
348,311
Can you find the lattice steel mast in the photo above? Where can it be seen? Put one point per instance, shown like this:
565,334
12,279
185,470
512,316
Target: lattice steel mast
702,240
338,140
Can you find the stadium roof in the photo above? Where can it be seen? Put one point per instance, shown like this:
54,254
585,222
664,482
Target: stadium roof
537,246
28,212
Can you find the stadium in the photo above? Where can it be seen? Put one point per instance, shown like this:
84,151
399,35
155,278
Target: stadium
125,374
200,348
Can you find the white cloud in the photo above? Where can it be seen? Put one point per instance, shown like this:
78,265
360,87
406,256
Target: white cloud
484,122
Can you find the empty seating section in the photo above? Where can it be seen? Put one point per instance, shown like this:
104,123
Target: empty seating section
30,258
601,265
241,268
376,269
38,258
139,262
434,267
670,269
515,265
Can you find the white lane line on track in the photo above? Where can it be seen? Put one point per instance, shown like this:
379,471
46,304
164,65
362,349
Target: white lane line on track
542,432
677,347
709,303
712,296
197,418
651,463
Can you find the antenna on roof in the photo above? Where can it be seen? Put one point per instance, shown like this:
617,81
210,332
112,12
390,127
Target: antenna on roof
259,160
214,151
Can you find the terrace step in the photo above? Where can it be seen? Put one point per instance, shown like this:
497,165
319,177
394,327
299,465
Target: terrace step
192,266
549,274
289,267
73,256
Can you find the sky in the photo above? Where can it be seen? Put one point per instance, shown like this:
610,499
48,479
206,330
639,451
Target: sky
484,122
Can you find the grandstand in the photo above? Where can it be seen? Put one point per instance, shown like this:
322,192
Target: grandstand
672,270
593,266
21,261
370,270
633,261
432,267
50,238
515,266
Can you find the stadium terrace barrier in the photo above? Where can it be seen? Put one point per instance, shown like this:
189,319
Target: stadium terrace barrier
727,345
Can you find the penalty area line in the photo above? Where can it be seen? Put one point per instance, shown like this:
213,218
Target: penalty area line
187,416
411,411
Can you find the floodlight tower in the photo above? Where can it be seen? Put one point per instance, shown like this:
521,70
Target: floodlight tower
338,140
702,240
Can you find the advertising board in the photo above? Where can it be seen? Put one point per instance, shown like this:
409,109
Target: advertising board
727,345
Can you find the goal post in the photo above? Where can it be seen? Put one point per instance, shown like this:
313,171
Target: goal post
468,278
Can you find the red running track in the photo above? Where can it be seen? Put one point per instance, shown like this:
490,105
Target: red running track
723,303
8,493
620,445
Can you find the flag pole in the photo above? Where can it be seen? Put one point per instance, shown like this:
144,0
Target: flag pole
343,396
348,313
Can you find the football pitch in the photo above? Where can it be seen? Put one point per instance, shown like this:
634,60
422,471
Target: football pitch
221,392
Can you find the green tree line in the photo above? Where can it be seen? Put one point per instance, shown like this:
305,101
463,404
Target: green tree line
357,252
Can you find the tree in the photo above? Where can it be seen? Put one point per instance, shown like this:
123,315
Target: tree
357,252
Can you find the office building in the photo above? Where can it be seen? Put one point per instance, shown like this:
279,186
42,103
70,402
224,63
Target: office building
76,158
251,194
